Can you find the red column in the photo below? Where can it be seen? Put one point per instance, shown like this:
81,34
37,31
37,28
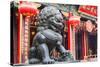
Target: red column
18,32
68,35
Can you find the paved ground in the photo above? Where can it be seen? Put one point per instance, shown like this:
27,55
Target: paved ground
65,62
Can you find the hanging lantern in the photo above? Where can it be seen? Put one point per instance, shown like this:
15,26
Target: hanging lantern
28,8
74,20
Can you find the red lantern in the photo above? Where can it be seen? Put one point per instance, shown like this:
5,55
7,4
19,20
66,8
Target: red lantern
27,8
74,21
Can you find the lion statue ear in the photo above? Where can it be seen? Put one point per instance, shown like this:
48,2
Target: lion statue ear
41,7
64,17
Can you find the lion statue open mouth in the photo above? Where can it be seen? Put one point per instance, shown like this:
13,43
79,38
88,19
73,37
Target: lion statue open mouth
48,37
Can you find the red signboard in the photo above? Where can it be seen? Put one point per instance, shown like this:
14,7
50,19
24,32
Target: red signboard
88,10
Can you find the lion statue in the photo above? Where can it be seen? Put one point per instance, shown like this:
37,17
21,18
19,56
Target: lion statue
48,37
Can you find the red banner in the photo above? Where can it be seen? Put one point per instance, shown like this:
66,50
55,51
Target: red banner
88,10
